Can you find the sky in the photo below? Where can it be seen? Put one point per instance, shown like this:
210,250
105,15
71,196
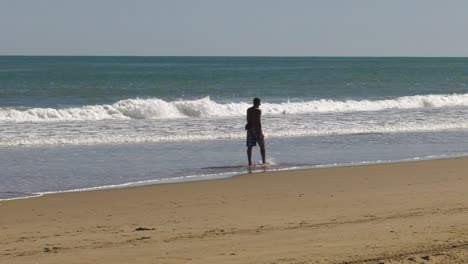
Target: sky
234,27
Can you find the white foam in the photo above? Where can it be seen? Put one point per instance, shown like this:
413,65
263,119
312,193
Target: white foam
21,197
113,137
155,108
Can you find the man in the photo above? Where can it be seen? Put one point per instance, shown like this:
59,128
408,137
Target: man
254,130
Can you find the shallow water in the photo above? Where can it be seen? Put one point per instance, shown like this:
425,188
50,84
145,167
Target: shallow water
42,169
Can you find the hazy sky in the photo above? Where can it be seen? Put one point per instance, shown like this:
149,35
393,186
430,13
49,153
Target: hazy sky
235,27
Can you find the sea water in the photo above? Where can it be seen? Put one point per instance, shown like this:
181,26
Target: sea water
81,123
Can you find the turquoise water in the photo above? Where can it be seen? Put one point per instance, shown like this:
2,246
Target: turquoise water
64,81
74,123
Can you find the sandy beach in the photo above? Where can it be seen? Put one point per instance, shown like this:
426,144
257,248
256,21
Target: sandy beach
413,212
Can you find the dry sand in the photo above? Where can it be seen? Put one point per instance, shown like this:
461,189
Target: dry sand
413,212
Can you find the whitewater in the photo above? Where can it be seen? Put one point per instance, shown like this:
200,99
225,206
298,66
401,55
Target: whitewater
155,108
156,120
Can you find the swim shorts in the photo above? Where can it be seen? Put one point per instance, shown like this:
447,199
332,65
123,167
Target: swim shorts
255,135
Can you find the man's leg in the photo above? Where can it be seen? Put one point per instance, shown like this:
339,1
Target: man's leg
249,155
261,144
262,152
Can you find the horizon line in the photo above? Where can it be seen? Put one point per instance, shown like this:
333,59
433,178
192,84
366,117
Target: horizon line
239,56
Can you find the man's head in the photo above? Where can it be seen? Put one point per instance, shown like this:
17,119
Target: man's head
256,101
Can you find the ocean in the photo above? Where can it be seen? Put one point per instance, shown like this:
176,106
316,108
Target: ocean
86,123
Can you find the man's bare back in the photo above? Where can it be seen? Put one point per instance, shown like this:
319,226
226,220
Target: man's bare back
253,117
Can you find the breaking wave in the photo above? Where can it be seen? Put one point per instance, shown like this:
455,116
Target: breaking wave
159,109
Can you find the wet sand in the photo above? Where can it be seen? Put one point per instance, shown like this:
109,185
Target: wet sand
415,212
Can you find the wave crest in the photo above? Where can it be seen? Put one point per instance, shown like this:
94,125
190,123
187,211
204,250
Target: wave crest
155,108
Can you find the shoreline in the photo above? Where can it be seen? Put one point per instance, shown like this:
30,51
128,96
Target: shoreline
211,177
379,213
